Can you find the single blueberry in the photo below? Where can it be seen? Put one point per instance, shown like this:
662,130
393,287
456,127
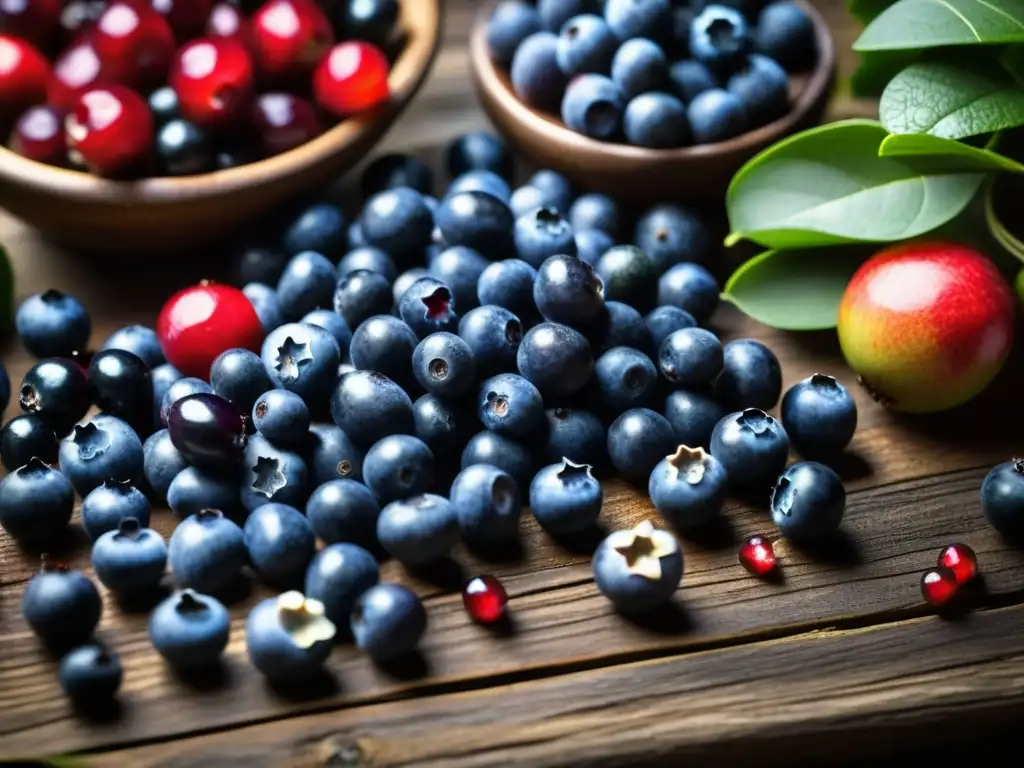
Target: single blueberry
543,233
360,295
808,501
568,291
281,416
320,228
820,415
693,416
179,390
307,283
396,170
426,307
330,454
656,121
506,454
388,621
402,284
481,181
121,386
585,44
398,222
479,221
130,559
511,22
90,675
640,66
36,502
637,441
264,300
338,575
591,244
480,150
140,341
689,287
369,258
555,13
494,335
752,446
625,378
557,191
161,463
691,357
385,344
689,78
191,491
662,321
288,638
525,199
639,18
555,358
418,530
510,404
509,284
61,607
52,324
302,359
101,449
566,498
639,569
1002,499
444,365
206,551
369,406
536,78
595,211
751,376
397,467
183,148
273,474
593,106
57,391
344,510
460,269
720,37
106,505
574,434
26,437
785,32
628,275
762,87
688,488
670,234
190,630
280,543
487,504
716,115
258,264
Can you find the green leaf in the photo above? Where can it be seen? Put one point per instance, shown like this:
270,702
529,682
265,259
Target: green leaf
865,11
951,101
961,155
931,23
876,69
828,186
794,290
1013,62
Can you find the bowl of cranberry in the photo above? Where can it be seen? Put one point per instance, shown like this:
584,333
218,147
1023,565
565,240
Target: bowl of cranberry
144,126
651,100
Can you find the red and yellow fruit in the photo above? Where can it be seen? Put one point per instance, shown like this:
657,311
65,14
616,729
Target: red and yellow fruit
926,326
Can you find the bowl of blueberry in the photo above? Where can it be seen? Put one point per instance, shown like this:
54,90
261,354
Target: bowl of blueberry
159,125
651,100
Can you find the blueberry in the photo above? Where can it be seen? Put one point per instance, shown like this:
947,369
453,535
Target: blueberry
576,435
566,498
307,283
638,440
479,150
638,569
785,32
665,320
556,190
35,502
1002,498
510,404
808,501
25,437
258,264
106,505
264,300
585,44
555,358
427,307
140,341
494,335
487,503
280,543
388,621
752,447
191,491
506,454
121,385
90,675
190,630
179,390
751,376
625,378
656,121
479,221
509,284
688,488
670,234
444,365
527,198
320,228
183,148
595,211
369,406
330,454
206,551
620,326
639,18
161,463
678,44
131,558
591,244
543,233
273,474
281,416
568,291
402,283
628,275
302,359
344,510
338,575
693,416
164,104
385,344
691,357
716,115
369,258
536,77
61,607
355,234
101,449
360,295
762,87
418,530
820,416
689,78
689,287
593,105
481,181
161,378
334,324
395,170
720,38
57,391
555,13
398,222
397,467
639,66
288,638
52,324
460,269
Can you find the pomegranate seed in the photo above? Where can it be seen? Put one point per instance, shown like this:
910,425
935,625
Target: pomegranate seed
961,560
135,44
110,129
186,17
758,556
33,20
485,599
227,20
938,586
24,76
39,135
213,78
283,122
290,36
74,70
353,77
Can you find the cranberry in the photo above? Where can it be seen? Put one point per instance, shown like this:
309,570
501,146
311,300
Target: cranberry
33,20
186,17
213,78
283,122
758,556
290,36
110,129
207,430
353,77
24,76
938,586
39,135
198,323
74,70
485,599
961,560
135,44
227,20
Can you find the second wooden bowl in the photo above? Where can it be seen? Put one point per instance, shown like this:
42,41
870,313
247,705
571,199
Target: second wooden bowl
698,174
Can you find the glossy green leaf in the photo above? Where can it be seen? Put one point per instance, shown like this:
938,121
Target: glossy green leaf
876,69
865,11
794,290
931,23
963,155
828,186
1013,62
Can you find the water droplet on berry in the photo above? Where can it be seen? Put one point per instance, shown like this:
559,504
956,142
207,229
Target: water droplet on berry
485,599
758,556
938,586
961,560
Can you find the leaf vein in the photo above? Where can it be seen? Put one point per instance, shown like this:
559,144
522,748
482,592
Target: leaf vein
1001,12
956,12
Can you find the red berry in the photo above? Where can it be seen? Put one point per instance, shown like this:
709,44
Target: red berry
758,556
290,36
198,323
110,129
74,70
938,586
485,599
31,20
961,560
186,17
213,78
39,135
353,77
283,122
24,76
134,42
227,20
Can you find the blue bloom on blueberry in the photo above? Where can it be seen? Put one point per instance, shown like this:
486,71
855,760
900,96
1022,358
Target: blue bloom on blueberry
689,78
397,467
1002,498
510,404
536,77
480,150
507,454
192,490
585,44
334,324
566,498
541,233
638,440
320,228
418,530
670,234
428,307
691,288
479,221
280,543
487,504
190,630
140,341
306,284
288,638
625,378
162,462
62,607
281,416
338,575
762,87
394,170
820,415
344,510
460,269
369,258
264,300
688,488
574,434
369,406
494,335
273,474
481,181
808,501
206,551
90,675
330,454
557,359
362,294
130,559
785,32
101,449
52,324
716,115
720,37
691,357
36,502
752,446
662,321
509,284
388,621
180,389
593,105
656,121
302,359
568,291
639,66
595,211
751,376
107,504
638,569
693,416
398,222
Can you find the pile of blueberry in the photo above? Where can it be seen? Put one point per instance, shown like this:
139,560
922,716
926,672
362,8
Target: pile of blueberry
654,73
130,88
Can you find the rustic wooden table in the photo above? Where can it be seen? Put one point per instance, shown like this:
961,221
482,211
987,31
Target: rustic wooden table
838,661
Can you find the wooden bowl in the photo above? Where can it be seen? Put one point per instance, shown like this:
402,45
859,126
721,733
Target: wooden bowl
698,174
168,215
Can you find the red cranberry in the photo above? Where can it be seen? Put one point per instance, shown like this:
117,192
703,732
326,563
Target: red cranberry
484,599
134,42
198,323
353,77
961,560
110,129
290,36
213,78
938,586
758,556
227,20
186,17
33,20
74,70
39,135
283,122
24,76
